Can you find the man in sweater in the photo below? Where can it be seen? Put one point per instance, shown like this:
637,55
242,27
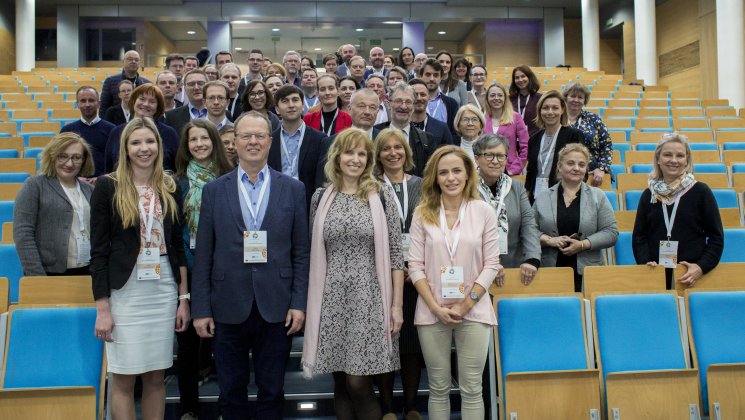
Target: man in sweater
91,127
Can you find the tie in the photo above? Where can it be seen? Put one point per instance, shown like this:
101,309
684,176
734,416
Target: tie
419,125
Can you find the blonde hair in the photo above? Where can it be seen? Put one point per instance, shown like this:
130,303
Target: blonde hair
381,138
572,148
564,121
126,197
349,139
671,138
57,145
429,203
472,108
508,114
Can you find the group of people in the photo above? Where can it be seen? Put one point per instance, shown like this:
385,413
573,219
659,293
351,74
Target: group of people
372,219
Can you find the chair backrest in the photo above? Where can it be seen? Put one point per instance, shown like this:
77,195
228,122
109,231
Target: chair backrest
538,334
7,237
709,168
613,199
6,211
717,330
13,177
4,297
627,278
625,220
55,290
547,280
631,199
622,250
723,276
714,180
19,165
53,347
10,267
726,198
734,249
637,332
627,182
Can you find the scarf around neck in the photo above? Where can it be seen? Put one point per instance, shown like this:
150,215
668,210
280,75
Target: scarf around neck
667,193
496,201
198,176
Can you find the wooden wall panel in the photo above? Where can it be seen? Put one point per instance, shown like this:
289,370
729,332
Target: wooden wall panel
629,52
511,43
573,42
611,55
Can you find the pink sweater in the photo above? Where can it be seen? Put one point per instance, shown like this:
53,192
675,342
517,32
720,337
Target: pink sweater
516,132
477,253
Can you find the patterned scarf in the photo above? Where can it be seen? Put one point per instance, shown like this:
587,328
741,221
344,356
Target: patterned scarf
198,176
667,193
504,184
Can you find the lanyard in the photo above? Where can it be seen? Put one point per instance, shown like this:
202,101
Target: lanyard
331,126
308,105
549,155
283,143
77,207
149,218
670,220
478,103
522,110
403,212
456,229
254,212
434,113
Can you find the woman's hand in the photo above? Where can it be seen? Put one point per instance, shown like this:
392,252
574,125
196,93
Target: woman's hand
182,316
448,316
571,247
596,177
692,275
558,241
104,324
652,264
462,308
397,319
527,273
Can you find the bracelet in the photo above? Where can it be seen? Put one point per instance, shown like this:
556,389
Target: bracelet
185,296
582,245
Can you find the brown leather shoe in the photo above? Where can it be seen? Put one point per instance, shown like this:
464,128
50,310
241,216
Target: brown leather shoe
413,415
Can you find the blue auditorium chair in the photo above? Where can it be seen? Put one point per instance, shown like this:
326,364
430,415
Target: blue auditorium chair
726,198
734,246
631,199
10,267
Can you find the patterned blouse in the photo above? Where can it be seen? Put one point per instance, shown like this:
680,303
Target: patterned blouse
597,140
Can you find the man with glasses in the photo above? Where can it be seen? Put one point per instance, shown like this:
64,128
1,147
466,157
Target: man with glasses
291,63
255,64
401,99
252,243
91,127
194,82
119,114
477,94
216,97
110,87
230,74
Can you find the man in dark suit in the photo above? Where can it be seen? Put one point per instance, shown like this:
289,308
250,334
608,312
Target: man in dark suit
440,106
377,59
194,82
296,147
250,278
401,98
119,114
346,51
436,129
110,89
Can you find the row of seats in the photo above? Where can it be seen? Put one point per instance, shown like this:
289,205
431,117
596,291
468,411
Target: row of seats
734,238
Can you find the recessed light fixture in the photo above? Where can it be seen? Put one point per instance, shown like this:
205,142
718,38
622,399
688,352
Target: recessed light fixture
430,48
316,49
357,45
239,22
275,29
359,29
396,49
441,33
190,32
238,49
392,22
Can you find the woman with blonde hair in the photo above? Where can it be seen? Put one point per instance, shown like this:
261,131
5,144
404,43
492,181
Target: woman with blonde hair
453,259
354,311
503,121
138,269
51,217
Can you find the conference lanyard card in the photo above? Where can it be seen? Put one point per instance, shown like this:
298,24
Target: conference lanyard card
668,253
84,249
254,246
192,240
148,264
405,245
502,242
541,186
453,286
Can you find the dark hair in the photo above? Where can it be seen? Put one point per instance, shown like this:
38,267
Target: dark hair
183,156
401,57
328,57
246,105
84,87
417,81
310,60
533,84
195,71
466,63
356,83
191,57
223,53
432,63
256,51
447,79
287,90
173,57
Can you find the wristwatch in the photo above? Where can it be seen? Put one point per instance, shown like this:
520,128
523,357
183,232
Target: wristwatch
186,296
474,296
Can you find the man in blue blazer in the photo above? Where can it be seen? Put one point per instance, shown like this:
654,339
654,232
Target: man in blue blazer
258,215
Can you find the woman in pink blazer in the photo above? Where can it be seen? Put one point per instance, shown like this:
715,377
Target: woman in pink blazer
453,259
502,120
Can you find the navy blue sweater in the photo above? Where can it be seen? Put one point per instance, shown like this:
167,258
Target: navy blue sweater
96,135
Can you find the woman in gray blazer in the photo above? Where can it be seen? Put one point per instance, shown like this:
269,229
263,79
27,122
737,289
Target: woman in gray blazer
576,220
51,218
518,245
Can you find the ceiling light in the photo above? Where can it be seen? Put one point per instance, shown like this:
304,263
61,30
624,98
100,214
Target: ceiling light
392,22
441,33
359,29
238,49
316,49
275,29
239,22
190,32
357,45
430,48
396,49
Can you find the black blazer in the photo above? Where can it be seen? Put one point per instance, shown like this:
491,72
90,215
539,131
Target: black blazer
177,118
451,106
114,249
439,131
422,146
310,172
115,115
565,136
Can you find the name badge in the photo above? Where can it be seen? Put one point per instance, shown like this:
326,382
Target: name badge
405,245
192,240
84,250
254,246
148,264
502,242
541,186
668,254
453,286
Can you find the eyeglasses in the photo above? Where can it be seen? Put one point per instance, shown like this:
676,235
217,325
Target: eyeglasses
257,94
211,73
64,157
194,84
216,98
478,75
399,102
468,120
490,157
249,136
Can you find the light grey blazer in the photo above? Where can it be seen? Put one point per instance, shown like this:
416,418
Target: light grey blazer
42,219
596,223
523,237
460,93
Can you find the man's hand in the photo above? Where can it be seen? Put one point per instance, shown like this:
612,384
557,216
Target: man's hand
205,327
295,320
